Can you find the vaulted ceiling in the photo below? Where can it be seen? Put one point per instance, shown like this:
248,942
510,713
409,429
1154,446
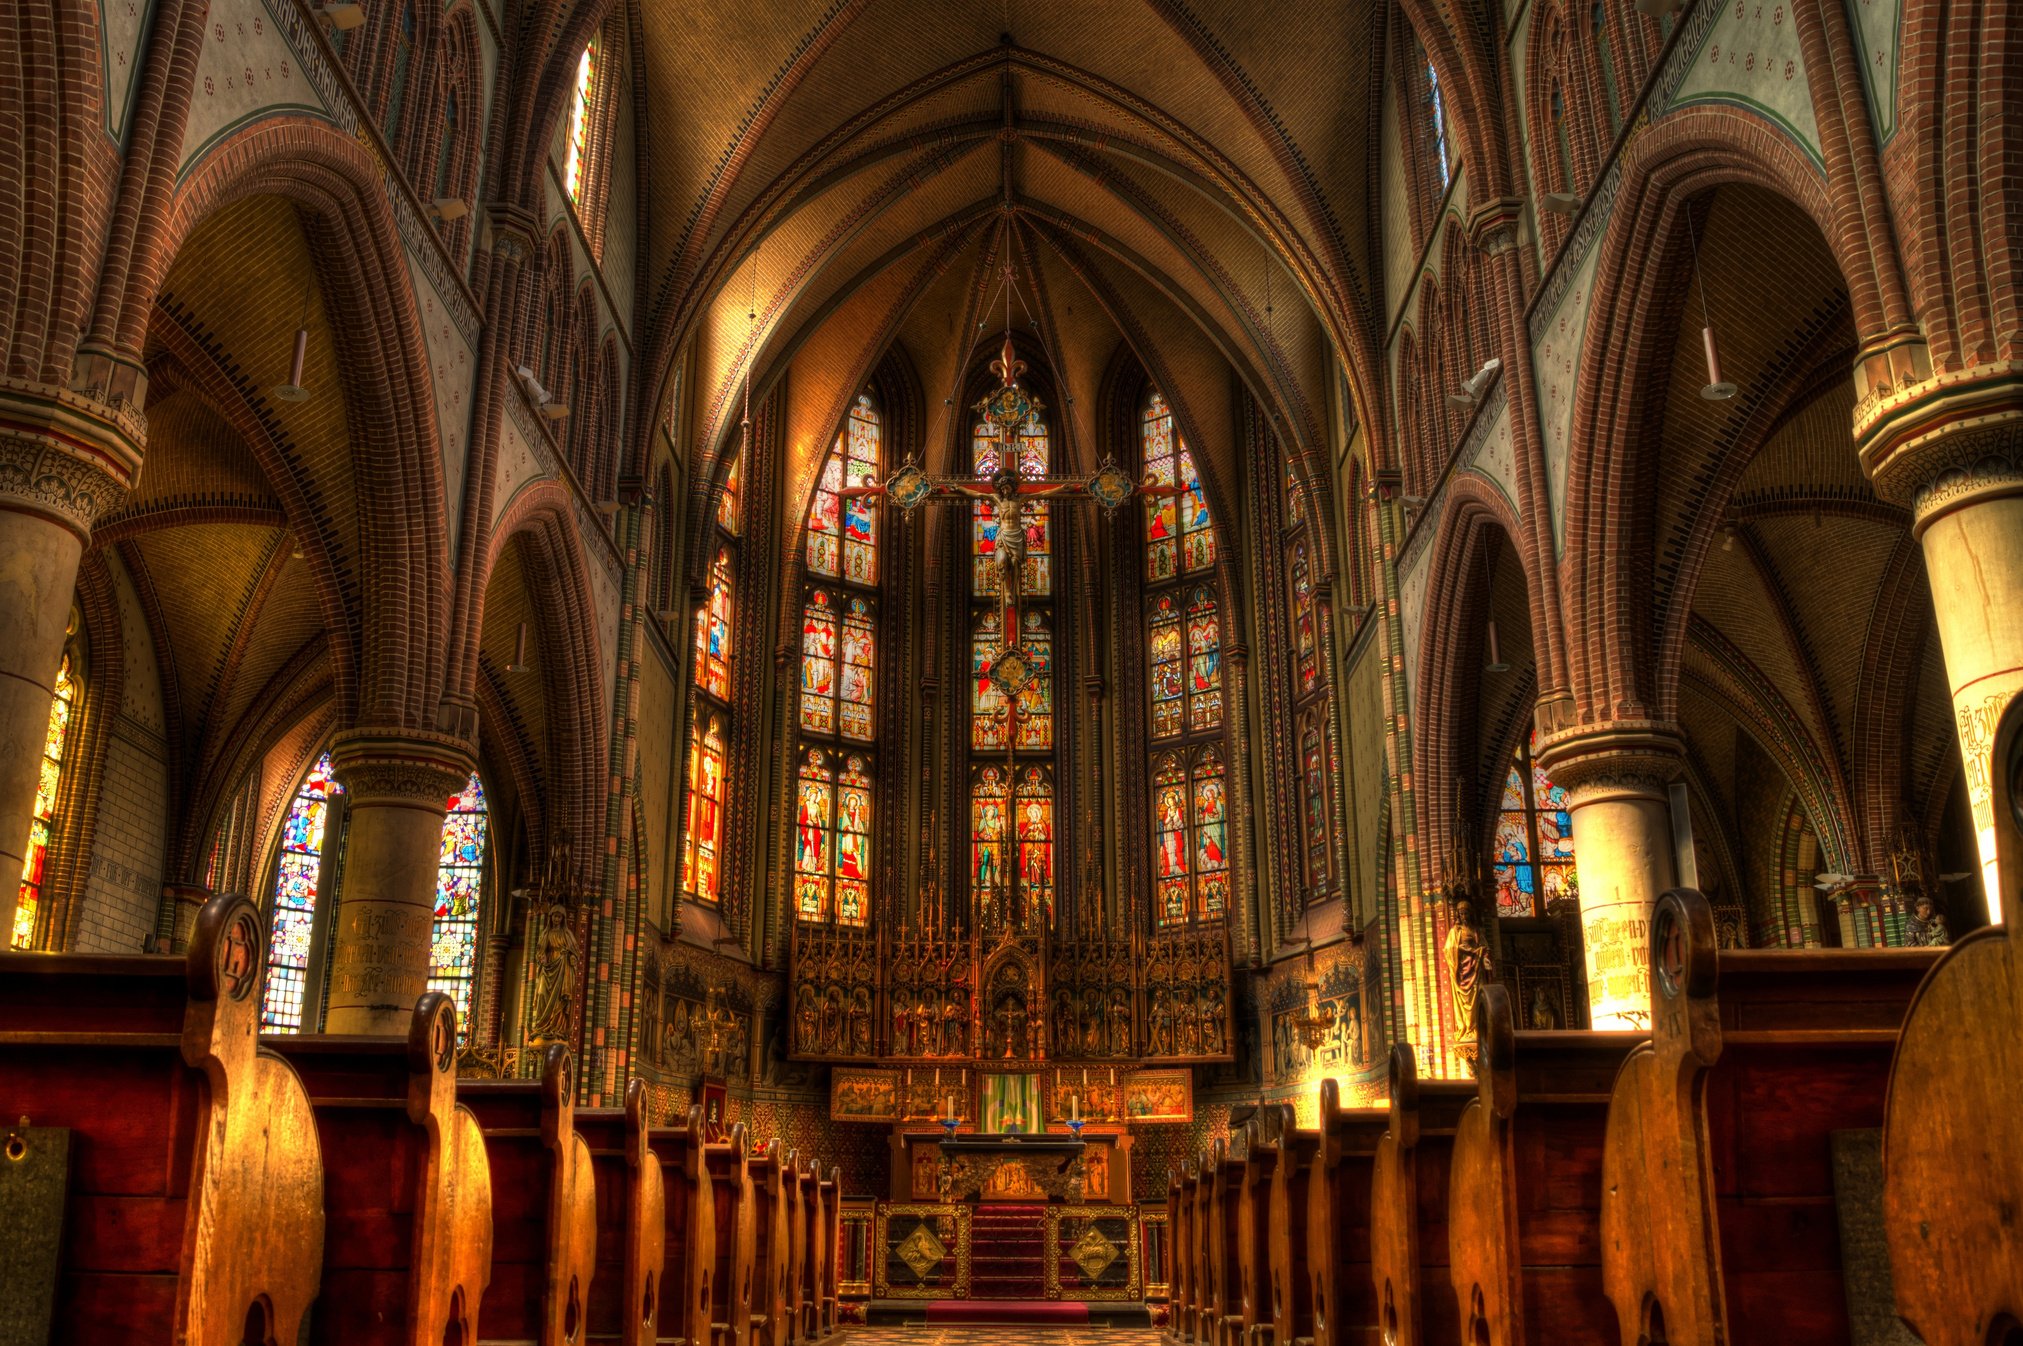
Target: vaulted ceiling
1194,182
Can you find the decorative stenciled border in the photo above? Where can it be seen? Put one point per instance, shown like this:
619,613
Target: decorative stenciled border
884,1289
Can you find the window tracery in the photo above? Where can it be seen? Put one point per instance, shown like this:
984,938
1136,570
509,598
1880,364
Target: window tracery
298,886
460,873
1534,862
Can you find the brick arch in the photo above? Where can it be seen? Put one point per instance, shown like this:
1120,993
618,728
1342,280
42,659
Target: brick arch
557,570
1625,360
339,192
1448,663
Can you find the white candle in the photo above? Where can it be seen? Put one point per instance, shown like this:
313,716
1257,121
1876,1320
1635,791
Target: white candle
948,1103
1074,1107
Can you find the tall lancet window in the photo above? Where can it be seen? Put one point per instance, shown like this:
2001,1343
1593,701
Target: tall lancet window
582,106
460,875
1534,839
42,823
837,703
715,637
1183,645
1311,636
300,872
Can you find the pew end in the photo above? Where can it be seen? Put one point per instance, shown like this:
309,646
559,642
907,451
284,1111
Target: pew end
1324,1187
1409,1273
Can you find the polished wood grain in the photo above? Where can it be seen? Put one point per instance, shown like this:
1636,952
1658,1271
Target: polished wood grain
1327,1175
689,1243
736,1219
1409,1271
625,1294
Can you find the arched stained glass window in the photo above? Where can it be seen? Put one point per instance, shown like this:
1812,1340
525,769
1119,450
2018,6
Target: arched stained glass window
1534,839
843,534
832,839
987,718
1179,534
42,824
580,107
1314,799
713,628
1190,816
1037,569
727,503
702,839
1305,625
990,798
1204,663
460,873
298,883
1168,699
1437,105
1035,829
839,655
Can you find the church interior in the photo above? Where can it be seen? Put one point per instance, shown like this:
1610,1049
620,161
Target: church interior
1246,675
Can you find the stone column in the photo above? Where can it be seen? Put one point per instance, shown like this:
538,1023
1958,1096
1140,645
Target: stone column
64,460
1615,777
397,785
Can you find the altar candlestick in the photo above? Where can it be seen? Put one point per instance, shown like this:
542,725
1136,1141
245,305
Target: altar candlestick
1074,1107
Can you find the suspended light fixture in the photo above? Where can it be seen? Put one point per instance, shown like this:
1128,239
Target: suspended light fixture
519,664
1718,389
292,390
1495,664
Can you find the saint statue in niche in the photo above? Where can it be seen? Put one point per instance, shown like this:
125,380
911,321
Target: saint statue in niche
556,959
1927,925
1468,968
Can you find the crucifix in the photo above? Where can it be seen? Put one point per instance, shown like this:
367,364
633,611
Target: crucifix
1011,496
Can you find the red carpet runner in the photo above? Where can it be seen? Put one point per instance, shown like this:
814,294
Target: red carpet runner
1007,1252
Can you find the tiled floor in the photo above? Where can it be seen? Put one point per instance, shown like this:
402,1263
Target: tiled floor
934,1334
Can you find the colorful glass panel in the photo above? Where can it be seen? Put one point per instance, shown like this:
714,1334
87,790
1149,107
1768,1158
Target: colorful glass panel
1036,840
1036,571
42,824
1313,768
580,105
702,841
843,533
989,798
818,664
1036,700
1211,838
1169,821
814,817
825,547
860,659
1165,652
1162,514
713,629
1305,624
853,843
298,880
988,718
1204,664
727,503
1533,859
460,873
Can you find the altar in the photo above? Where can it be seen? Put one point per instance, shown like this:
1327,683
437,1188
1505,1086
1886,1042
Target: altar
928,1165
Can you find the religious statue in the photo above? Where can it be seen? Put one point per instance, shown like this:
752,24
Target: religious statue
1927,925
832,1020
557,957
953,1039
1064,1015
860,1022
1120,1023
1468,967
923,1027
1544,1013
1214,1020
902,1026
806,1020
1162,1025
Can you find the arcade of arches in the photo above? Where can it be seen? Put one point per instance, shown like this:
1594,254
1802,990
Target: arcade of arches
600,508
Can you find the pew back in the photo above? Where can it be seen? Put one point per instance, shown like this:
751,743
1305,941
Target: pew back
1409,1237
688,1209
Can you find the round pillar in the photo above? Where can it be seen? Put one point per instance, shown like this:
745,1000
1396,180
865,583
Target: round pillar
1615,779
397,787
64,460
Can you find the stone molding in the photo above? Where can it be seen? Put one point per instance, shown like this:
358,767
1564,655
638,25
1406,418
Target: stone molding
1624,759
1935,444
65,455
409,767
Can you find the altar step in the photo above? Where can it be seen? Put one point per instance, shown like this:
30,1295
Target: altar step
1007,1252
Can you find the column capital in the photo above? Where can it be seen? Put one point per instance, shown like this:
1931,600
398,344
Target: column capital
1622,759
65,455
400,766
1940,442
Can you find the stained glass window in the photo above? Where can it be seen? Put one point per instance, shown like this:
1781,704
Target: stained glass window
818,664
838,680
1204,663
987,722
1534,840
1037,569
460,872
989,799
832,839
1168,700
1190,819
1314,800
579,120
843,534
1438,106
1036,840
1179,534
727,503
702,840
713,629
298,882
1305,624
42,825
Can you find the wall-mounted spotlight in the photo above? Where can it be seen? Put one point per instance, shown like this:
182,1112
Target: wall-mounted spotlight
1478,383
1561,203
447,208
292,390
549,408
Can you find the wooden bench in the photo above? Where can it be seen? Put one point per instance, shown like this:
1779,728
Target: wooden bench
1327,1176
408,1190
625,1293
795,1179
690,1241
544,1205
1223,1320
1409,1272
731,1194
828,1237
1253,1221
1525,1184
181,1152
1719,1214
1181,1184
769,1325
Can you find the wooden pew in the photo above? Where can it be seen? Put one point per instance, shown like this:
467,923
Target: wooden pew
735,1218
769,1223
1953,1135
1204,1273
1224,1177
408,1190
193,1197
690,1242
795,1177
828,1238
1525,1185
1326,1176
1253,1221
544,1204
1719,1221
1180,1184
1408,1207
625,1293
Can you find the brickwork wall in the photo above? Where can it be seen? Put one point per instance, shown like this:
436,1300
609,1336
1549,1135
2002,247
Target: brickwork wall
126,861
